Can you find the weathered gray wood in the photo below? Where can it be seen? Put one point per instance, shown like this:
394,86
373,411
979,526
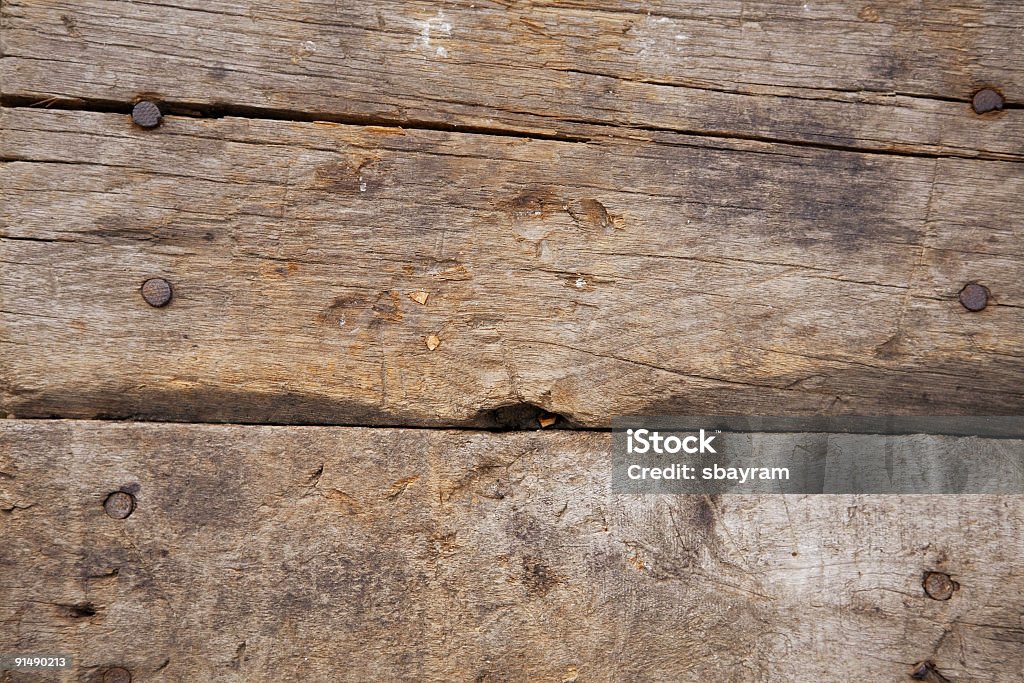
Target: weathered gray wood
888,75
590,280
272,553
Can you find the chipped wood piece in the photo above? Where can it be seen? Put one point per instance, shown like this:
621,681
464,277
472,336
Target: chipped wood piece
419,297
897,76
746,278
474,556
433,341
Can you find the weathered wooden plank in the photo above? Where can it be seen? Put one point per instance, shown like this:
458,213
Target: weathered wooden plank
895,76
589,280
318,553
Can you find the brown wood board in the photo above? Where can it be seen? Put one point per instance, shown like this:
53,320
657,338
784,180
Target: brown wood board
497,214
275,553
894,76
587,280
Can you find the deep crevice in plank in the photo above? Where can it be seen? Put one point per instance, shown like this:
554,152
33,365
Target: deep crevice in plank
217,111
221,110
745,137
512,418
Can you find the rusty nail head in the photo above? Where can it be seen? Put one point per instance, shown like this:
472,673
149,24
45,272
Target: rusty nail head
974,297
938,586
119,505
157,291
987,100
117,675
921,670
146,114
926,671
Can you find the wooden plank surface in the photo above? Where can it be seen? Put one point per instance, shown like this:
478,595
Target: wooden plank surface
895,76
587,280
318,553
476,215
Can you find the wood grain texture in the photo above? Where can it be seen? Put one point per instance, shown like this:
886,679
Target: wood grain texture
317,553
587,280
892,76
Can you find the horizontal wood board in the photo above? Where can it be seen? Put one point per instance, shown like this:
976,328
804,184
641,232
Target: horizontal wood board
582,279
282,553
895,76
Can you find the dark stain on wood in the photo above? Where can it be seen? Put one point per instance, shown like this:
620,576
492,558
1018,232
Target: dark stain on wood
592,214
538,577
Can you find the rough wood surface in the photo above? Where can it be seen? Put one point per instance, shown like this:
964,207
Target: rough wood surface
319,553
476,214
895,75
589,280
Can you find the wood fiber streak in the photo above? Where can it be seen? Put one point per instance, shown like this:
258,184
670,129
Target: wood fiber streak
429,555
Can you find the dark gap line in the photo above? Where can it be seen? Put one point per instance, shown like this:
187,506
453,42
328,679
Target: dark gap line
19,238
219,111
216,111
348,425
746,137
486,430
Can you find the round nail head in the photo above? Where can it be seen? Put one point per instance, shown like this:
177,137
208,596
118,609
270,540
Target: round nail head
157,292
117,675
987,100
974,297
119,505
922,670
146,114
938,586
